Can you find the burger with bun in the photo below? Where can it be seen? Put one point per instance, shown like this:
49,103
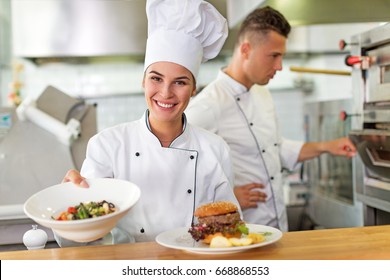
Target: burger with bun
217,218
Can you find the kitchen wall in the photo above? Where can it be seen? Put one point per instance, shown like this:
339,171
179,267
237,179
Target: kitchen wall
116,88
5,48
115,83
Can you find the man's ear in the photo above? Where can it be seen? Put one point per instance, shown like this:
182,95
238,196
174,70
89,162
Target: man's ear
245,49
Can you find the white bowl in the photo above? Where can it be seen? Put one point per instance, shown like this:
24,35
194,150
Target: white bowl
50,202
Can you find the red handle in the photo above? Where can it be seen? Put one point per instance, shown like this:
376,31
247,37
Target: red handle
351,60
342,44
363,62
343,115
347,148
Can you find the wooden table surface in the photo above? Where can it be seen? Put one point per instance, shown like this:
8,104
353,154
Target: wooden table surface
329,244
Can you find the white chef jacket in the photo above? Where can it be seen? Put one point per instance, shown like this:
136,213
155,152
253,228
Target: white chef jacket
194,170
247,121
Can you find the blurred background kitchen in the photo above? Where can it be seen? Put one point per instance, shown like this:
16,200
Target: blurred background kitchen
85,59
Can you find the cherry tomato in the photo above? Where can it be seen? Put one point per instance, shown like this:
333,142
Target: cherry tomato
72,210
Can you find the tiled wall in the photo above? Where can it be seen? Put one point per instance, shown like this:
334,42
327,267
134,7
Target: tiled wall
118,109
116,88
289,108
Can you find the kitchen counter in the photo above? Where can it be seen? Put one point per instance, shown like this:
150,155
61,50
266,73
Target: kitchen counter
329,244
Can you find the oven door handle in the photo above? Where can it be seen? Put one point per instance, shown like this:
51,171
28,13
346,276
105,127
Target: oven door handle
375,160
373,147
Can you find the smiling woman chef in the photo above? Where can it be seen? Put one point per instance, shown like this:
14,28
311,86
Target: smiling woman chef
177,166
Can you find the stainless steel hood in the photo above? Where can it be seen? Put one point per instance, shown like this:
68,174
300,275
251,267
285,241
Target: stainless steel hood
82,28
66,28
87,28
309,12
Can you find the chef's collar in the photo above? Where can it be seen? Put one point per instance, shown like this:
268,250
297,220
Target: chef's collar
185,32
237,88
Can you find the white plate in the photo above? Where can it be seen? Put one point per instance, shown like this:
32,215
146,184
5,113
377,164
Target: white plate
180,239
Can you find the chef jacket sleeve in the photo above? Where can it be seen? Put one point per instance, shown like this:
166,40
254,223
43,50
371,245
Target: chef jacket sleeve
289,152
201,112
98,162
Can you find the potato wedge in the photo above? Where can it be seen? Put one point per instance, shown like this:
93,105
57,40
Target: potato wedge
220,242
243,241
256,237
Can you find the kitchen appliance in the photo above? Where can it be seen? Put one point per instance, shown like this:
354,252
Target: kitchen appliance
370,62
52,30
71,28
32,157
306,12
332,202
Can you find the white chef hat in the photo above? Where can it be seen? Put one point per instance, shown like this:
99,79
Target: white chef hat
186,32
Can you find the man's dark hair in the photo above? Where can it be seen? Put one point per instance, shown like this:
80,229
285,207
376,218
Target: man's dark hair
264,20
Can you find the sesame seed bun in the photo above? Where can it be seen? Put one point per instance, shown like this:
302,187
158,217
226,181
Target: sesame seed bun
215,208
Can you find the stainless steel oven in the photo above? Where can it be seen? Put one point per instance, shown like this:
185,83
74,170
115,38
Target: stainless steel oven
379,73
371,124
332,199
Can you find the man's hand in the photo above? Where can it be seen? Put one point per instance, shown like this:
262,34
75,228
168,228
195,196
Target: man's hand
248,195
341,147
75,177
338,147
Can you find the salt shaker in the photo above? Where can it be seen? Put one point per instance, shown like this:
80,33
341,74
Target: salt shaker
35,238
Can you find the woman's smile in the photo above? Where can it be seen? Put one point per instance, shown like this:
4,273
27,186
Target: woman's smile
164,105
